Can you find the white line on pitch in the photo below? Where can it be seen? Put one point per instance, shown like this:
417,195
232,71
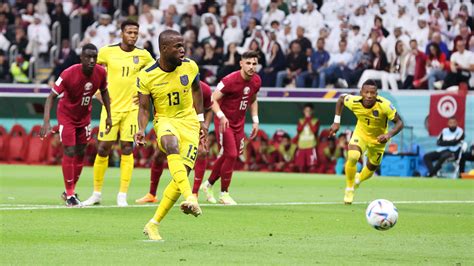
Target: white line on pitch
255,204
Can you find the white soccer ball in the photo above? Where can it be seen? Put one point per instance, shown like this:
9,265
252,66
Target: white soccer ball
381,214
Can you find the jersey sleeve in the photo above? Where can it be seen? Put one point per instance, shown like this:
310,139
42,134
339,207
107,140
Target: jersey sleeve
102,56
194,71
148,58
60,84
142,83
349,101
389,109
223,86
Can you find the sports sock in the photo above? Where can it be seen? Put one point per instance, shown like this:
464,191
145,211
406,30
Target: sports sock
179,174
365,174
226,172
199,170
126,169
216,170
100,166
68,174
78,165
170,196
156,171
351,167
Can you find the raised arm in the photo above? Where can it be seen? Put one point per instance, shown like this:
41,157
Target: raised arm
337,117
46,116
143,117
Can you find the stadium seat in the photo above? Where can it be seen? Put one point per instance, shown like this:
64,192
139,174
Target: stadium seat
3,143
35,147
16,144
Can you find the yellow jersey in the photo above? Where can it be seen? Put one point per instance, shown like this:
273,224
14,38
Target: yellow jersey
122,71
371,122
171,91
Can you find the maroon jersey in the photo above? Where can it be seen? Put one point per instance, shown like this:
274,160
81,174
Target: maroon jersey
74,108
206,95
237,95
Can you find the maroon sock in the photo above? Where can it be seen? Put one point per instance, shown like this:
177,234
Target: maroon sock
78,165
156,171
199,170
226,172
68,174
216,170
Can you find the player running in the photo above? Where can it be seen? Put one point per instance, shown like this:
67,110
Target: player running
232,97
201,161
371,133
172,82
77,84
123,62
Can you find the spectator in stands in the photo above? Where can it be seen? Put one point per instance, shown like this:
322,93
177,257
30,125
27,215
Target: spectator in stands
311,21
132,13
251,12
337,67
378,26
296,63
39,37
85,11
187,24
379,67
210,57
276,63
466,156
388,44
318,61
437,22
304,42
248,31
19,70
464,35
67,57
396,65
435,64
436,38
59,16
4,70
21,41
214,40
357,38
359,63
462,65
295,17
285,36
449,142
273,14
438,4
148,30
148,9
4,42
228,11
168,24
421,32
414,66
207,20
231,62
262,62
286,155
7,10
42,11
233,33
307,136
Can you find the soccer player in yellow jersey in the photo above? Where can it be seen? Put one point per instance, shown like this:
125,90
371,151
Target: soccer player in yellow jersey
370,135
123,62
172,83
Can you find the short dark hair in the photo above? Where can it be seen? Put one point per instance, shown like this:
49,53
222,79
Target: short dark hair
164,36
309,105
251,54
89,46
369,82
129,23
286,136
453,117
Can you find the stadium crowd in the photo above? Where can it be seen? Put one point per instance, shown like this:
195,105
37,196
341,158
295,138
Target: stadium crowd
420,44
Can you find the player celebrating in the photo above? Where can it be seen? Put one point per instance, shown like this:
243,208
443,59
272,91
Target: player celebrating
173,84
78,84
123,62
232,97
371,132
201,161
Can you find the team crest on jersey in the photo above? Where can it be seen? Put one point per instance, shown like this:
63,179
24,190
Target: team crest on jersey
88,86
136,59
184,80
246,90
375,113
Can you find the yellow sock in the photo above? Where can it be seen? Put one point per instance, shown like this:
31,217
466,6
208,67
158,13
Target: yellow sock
365,174
170,196
179,174
100,166
351,167
126,169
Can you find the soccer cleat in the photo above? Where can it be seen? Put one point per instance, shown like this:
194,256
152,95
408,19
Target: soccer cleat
148,198
207,189
348,196
357,180
226,199
151,231
72,201
122,199
93,200
191,206
64,196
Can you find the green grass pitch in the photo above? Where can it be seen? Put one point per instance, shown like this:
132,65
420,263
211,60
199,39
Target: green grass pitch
286,219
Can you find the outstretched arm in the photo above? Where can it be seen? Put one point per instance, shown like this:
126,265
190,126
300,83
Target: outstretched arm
394,131
337,117
143,116
46,117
